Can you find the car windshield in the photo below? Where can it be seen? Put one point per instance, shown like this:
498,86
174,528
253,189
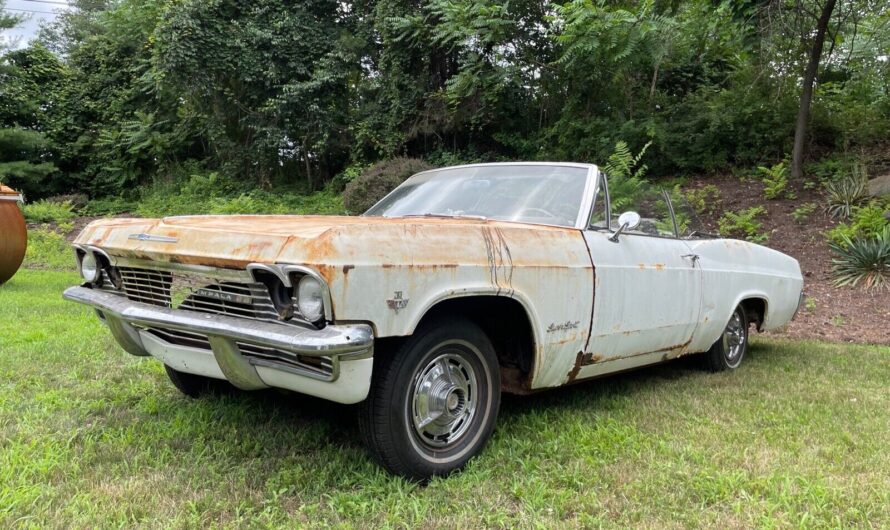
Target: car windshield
541,194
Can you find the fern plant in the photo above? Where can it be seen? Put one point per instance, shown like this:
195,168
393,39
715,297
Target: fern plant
865,260
775,180
626,184
743,224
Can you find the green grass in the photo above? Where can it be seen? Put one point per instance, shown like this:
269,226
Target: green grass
92,437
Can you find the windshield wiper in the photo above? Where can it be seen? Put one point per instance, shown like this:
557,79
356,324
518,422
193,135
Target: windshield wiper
446,216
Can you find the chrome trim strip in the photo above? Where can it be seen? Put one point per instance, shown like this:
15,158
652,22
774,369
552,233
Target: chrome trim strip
272,269
328,341
16,198
237,275
153,239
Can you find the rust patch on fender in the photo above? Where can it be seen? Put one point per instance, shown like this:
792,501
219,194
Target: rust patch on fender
579,362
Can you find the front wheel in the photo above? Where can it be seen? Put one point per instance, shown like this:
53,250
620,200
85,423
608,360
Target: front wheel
729,350
433,402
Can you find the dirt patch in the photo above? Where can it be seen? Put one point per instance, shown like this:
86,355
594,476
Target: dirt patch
838,314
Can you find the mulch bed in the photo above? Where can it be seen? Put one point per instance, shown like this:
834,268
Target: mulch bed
837,314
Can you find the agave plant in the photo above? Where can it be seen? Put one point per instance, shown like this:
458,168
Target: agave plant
847,193
865,260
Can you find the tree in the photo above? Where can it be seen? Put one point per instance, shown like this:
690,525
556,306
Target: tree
809,77
24,151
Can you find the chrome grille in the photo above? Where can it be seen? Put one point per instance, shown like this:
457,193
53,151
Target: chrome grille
322,367
198,293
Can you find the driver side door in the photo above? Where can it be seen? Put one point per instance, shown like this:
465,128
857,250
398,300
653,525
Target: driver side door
647,286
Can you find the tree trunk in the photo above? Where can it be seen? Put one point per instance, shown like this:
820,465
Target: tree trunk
806,96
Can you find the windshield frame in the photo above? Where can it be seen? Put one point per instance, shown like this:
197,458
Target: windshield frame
583,211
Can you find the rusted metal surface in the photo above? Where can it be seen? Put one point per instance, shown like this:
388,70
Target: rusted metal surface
13,233
390,272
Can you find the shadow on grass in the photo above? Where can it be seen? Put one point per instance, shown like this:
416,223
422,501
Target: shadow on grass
307,428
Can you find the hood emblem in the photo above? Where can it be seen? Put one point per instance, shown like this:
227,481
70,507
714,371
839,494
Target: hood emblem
156,239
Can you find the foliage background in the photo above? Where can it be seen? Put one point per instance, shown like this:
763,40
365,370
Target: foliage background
120,95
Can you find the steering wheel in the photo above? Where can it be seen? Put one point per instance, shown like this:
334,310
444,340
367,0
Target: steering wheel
539,210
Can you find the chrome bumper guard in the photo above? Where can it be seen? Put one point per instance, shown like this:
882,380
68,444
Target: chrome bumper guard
124,318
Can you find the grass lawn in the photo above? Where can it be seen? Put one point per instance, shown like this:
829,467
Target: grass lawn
92,437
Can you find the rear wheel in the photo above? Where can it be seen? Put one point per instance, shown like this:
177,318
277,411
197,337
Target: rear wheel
729,350
433,402
195,386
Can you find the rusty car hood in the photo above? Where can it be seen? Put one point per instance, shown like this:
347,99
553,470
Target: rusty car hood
233,241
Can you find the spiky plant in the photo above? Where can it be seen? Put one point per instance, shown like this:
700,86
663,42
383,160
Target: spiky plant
865,260
846,194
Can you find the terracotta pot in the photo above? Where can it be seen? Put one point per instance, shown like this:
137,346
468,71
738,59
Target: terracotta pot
13,233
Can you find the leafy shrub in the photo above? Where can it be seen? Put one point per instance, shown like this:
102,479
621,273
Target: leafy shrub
45,211
843,195
775,180
865,260
108,206
803,212
703,199
48,249
743,224
867,222
381,178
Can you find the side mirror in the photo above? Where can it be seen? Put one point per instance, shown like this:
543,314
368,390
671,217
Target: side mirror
626,221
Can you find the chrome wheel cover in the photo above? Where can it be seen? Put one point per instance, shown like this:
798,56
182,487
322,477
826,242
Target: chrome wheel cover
734,338
444,399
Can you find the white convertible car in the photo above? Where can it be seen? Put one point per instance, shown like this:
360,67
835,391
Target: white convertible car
461,284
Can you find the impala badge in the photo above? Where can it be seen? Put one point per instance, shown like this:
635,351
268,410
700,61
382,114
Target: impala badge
397,302
156,239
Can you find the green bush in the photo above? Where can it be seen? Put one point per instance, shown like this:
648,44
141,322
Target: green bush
803,212
743,224
45,211
863,259
108,206
866,222
48,249
704,199
365,190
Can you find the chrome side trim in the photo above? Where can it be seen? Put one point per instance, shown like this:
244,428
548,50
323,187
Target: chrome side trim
15,198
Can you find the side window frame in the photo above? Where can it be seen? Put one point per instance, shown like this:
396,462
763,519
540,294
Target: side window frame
602,188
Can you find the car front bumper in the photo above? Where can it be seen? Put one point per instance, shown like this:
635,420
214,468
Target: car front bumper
143,330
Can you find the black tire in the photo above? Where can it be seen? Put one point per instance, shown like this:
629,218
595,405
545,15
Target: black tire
195,386
724,355
435,370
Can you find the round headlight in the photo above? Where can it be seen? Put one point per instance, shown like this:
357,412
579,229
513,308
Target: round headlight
310,300
89,268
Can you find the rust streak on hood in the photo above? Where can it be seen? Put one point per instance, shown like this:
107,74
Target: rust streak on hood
327,242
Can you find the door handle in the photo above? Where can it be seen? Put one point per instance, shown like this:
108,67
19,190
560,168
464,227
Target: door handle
693,257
